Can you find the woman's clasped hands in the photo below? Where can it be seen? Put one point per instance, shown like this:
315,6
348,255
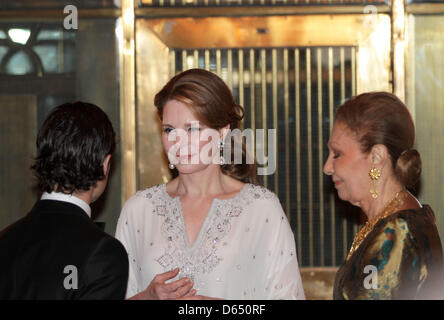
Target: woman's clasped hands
181,289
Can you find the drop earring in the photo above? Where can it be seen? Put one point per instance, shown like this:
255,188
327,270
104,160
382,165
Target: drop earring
374,174
171,166
220,146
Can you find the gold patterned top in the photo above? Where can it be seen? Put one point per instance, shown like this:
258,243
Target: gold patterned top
391,207
400,258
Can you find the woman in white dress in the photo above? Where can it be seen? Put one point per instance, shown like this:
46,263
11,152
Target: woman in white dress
211,232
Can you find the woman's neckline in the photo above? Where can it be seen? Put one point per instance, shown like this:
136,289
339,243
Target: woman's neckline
241,191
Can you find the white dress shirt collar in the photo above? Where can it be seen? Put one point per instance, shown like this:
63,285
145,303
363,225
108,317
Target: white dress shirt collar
67,198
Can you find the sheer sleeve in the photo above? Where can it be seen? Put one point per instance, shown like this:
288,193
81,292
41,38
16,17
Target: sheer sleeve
283,277
390,266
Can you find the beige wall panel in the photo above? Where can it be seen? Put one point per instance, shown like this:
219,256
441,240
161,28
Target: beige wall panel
152,65
425,97
17,140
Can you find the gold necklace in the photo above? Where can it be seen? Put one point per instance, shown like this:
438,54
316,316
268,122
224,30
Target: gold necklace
391,207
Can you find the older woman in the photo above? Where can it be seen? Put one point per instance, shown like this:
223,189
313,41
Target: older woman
210,232
397,254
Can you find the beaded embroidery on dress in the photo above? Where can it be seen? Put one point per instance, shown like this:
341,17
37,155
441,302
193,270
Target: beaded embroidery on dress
200,258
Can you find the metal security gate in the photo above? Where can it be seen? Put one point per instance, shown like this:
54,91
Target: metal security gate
290,83
294,90
216,3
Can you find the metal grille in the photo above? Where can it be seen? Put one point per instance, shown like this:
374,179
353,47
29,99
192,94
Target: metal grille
46,49
294,90
52,4
221,3
424,1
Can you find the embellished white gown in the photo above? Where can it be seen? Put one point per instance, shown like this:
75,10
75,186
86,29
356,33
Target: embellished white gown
244,250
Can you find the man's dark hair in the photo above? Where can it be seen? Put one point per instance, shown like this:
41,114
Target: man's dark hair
72,144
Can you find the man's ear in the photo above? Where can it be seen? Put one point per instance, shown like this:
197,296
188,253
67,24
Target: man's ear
379,155
107,165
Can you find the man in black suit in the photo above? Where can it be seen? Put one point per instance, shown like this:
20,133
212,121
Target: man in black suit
56,251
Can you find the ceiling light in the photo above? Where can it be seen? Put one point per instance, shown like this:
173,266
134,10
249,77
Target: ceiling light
19,35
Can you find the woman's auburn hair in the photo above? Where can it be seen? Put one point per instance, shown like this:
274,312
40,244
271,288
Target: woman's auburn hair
382,118
212,102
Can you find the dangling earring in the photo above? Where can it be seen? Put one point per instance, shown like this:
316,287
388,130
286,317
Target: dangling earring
171,166
374,174
220,146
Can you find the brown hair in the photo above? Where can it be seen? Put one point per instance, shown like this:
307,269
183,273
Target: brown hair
211,101
381,118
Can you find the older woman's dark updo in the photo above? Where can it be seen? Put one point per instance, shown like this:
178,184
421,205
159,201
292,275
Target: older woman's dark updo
381,118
